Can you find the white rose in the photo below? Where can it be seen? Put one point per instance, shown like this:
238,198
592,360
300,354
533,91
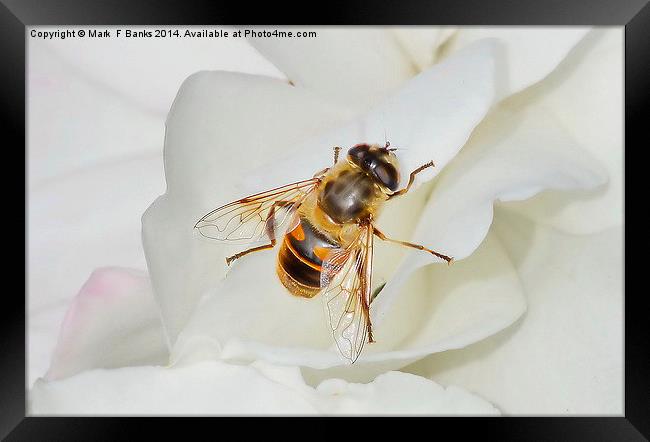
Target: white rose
556,255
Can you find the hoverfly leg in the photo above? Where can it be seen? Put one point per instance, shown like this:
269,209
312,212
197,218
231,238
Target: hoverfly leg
411,179
383,237
246,252
270,230
337,149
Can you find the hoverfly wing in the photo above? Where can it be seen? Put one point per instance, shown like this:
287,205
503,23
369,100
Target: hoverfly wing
249,219
346,278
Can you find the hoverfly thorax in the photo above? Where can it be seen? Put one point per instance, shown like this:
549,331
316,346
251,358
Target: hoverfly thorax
356,187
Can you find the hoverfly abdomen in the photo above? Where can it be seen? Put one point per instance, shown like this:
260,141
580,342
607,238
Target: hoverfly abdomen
301,257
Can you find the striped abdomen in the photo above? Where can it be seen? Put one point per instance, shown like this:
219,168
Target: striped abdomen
301,258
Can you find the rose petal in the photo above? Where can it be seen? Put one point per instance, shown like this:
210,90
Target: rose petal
585,93
417,120
565,356
240,322
218,131
515,153
245,310
353,67
531,53
126,64
112,322
394,393
75,122
86,220
214,387
464,303
87,180
210,143
423,44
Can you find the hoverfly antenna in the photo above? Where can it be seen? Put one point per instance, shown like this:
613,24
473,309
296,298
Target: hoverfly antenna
387,143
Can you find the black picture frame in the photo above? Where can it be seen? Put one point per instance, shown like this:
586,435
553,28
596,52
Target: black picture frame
16,15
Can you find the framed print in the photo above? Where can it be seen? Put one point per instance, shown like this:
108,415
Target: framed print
420,214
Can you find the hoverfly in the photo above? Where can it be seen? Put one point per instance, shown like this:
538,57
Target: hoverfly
327,227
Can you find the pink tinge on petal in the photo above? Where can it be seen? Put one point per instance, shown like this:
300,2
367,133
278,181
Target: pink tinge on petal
107,283
115,303
113,281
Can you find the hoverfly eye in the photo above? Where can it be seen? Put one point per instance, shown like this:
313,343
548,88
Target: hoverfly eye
382,174
387,175
358,151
